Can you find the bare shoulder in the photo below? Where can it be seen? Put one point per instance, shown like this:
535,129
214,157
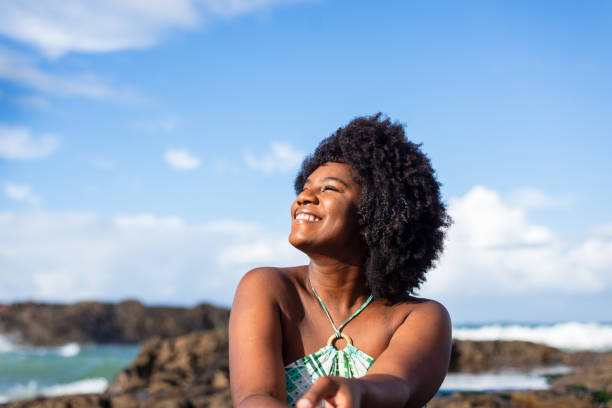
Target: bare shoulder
270,282
425,313
430,308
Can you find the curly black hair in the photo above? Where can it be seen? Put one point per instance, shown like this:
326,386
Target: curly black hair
400,209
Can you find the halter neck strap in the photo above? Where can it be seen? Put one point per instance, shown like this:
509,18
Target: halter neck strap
339,328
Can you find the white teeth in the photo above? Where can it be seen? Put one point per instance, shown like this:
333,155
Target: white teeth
306,217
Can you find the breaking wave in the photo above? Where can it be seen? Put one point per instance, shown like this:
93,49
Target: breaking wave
568,335
32,389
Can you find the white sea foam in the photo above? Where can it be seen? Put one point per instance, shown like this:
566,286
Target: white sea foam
5,346
21,391
569,335
493,382
69,350
32,389
86,386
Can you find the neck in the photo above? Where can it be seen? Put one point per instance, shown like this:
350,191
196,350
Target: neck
340,285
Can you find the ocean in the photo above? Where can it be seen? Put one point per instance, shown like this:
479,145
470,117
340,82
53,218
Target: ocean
27,372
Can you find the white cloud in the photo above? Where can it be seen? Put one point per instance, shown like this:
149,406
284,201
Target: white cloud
23,70
92,26
58,256
21,192
17,143
494,249
532,198
233,7
181,159
57,28
282,157
147,221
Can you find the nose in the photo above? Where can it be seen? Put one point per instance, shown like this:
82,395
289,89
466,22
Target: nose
307,197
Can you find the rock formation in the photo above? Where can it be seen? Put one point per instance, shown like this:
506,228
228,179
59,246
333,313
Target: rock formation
39,324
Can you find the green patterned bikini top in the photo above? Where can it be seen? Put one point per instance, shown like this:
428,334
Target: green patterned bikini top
350,362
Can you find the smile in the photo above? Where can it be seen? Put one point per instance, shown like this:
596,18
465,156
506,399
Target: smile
305,217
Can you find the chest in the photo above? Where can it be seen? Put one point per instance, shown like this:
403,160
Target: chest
310,329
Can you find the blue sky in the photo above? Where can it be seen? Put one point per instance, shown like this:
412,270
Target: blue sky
148,149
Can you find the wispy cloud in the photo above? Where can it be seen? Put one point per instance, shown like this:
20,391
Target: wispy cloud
529,197
57,28
18,143
234,7
22,69
91,26
281,157
181,159
21,192
156,259
493,248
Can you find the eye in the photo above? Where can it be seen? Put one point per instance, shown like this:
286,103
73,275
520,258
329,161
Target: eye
332,188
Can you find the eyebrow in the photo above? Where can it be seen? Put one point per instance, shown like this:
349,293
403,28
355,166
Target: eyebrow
330,179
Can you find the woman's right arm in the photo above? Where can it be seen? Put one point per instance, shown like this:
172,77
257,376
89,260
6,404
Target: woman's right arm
257,373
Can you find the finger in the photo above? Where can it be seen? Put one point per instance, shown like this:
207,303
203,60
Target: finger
323,388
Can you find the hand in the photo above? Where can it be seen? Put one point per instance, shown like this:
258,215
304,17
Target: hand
339,392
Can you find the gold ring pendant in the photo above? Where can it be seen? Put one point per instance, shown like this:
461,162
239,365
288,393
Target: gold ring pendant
344,336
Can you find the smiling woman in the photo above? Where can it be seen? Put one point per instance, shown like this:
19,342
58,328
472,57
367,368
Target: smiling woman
369,216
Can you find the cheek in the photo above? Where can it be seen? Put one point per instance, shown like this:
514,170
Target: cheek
347,220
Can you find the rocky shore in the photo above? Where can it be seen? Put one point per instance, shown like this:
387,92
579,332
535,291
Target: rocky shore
40,324
191,369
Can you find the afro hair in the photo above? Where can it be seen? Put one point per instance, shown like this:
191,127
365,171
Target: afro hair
400,209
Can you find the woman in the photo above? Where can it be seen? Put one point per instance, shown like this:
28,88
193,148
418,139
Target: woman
369,216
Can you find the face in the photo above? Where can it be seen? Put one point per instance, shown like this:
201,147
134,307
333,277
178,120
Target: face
324,215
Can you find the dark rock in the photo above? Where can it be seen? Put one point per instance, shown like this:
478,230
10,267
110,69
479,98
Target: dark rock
526,399
594,373
195,364
478,356
219,400
93,322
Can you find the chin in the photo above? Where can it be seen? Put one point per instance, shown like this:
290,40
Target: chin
301,242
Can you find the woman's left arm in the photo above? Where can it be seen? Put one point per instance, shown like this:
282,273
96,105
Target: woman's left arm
407,374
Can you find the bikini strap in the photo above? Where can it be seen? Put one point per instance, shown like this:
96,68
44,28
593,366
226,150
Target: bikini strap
339,328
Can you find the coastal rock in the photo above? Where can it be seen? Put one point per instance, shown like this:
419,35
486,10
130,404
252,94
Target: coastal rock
525,399
218,400
94,322
592,373
588,385
190,371
198,361
478,356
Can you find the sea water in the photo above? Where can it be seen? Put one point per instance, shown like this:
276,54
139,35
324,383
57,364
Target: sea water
26,372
